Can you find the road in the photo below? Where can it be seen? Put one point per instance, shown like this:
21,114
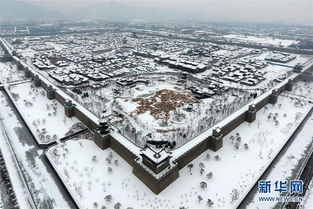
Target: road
306,176
35,156
250,196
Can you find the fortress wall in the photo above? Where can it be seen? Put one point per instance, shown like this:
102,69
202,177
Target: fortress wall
191,154
155,185
122,151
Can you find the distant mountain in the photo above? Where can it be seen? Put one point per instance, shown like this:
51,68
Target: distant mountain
114,10
19,10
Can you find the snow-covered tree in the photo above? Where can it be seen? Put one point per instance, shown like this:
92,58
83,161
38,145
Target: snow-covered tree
210,203
209,175
234,195
201,165
201,171
217,157
207,156
117,205
108,198
190,166
200,198
203,185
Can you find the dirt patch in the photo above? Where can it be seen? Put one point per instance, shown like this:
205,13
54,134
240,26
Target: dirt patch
162,103
166,131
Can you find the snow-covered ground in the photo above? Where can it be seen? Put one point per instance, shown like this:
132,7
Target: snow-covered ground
9,73
303,89
205,112
287,166
84,167
40,180
17,183
45,117
262,40
301,59
180,121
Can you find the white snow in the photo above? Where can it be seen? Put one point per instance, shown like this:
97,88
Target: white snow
45,117
287,166
262,40
16,180
9,73
38,177
90,181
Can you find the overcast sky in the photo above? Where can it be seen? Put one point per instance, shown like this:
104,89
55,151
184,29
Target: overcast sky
288,11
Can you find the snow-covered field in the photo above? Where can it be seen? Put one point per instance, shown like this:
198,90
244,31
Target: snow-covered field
9,73
85,168
43,186
304,89
19,189
287,168
262,40
45,117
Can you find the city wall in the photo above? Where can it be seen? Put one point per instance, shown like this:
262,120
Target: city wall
156,185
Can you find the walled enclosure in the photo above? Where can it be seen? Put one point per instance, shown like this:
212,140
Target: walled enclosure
105,140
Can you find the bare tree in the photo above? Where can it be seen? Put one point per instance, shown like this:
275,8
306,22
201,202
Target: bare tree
117,205
200,198
210,203
201,171
208,156
108,198
217,158
190,166
209,175
203,185
234,195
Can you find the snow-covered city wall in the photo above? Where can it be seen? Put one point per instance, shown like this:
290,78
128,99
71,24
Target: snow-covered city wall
182,155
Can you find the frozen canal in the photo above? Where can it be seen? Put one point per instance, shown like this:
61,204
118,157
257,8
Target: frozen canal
44,186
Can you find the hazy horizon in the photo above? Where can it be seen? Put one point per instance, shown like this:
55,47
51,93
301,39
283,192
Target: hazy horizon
278,11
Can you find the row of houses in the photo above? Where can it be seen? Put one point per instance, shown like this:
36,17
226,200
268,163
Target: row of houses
280,57
243,72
